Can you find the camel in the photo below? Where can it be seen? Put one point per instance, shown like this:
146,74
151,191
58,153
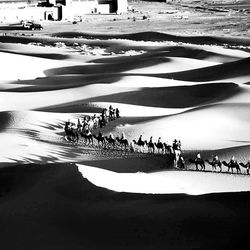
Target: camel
100,139
110,141
197,162
168,148
214,164
141,144
160,147
123,142
88,138
247,166
71,133
151,147
232,165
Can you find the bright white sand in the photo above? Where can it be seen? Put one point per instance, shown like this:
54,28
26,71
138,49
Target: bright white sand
168,182
14,67
176,64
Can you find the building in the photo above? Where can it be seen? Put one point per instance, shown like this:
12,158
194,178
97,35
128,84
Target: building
81,7
12,11
17,10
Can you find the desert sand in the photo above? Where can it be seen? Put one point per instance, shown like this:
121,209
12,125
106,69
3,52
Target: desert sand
52,207
186,84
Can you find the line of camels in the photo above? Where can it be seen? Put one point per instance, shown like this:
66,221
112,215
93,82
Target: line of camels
110,142
123,143
216,163
73,134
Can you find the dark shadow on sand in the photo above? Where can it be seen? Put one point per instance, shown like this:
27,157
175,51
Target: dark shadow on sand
5,118
157,36
222,71
62,82
53,206
116,67
173,97
53,56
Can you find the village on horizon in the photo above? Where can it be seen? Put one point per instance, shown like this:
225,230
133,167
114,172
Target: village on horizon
16,11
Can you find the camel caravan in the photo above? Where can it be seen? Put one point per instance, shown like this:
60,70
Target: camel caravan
89,124
232,165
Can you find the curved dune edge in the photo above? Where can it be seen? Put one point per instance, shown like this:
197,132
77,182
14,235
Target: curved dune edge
157,36
168,182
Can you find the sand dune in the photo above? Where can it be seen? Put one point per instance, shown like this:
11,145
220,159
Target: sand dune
55,194
164,88
66,211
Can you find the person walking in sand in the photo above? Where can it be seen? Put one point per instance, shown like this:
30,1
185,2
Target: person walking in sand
110,113
177,151
132,146
117,113
181,163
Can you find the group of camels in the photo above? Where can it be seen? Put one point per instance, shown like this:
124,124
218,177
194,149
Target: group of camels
144,146
216,163
110,142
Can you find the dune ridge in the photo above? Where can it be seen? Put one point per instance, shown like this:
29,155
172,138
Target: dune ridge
157,36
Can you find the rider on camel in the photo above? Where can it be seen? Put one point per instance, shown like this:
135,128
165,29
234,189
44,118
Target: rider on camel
215,160
140,140
111,136
232,161
123,137
176,144
151,139
198,156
